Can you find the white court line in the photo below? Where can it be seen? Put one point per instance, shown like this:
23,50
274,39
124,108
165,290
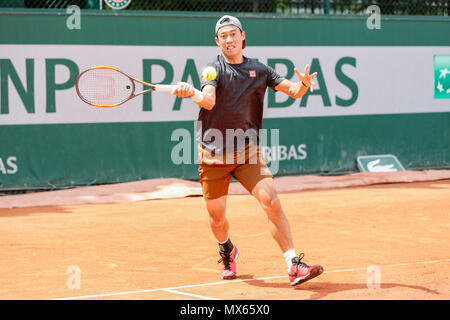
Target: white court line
233,281
189,294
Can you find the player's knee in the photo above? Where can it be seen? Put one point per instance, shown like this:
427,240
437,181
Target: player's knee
217,215
270,202
217,221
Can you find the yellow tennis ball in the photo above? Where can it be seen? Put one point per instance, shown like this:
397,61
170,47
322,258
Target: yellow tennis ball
209,73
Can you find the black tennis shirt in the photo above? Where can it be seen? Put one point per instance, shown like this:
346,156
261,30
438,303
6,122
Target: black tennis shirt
240,90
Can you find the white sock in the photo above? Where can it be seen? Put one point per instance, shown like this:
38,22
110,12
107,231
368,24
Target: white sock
288,256
225,246
228,237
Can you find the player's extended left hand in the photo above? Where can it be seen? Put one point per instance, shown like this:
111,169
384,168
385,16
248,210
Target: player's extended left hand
306,78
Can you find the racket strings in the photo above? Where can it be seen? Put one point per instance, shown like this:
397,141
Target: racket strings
105,87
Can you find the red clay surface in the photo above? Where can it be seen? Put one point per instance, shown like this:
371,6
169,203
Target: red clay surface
164,249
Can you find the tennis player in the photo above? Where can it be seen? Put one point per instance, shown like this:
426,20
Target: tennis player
232,104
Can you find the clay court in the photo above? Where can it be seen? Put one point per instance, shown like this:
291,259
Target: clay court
163,248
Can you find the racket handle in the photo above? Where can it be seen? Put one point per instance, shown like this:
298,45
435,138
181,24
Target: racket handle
197,97
165,87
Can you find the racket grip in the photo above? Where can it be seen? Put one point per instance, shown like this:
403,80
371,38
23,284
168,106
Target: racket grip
165,87
197,97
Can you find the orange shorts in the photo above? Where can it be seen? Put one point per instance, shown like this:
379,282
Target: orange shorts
247,166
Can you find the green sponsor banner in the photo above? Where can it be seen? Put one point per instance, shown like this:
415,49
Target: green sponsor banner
442,77
379,163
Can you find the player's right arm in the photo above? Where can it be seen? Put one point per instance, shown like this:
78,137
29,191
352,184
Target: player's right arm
208,99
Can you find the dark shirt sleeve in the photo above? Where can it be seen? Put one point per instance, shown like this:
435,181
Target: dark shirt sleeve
212,82
273,78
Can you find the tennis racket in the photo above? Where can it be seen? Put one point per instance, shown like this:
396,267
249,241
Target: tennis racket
105,86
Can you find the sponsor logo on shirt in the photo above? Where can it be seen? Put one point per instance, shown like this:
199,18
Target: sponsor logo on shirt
252,73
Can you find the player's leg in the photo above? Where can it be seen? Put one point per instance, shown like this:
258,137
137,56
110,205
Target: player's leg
256,177
258,180
217,218
298,271
220,228
266,194
215,180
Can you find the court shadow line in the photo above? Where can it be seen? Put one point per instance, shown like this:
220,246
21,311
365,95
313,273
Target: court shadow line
323,289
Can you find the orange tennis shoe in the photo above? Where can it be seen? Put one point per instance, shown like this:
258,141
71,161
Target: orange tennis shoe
301,272
229,268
